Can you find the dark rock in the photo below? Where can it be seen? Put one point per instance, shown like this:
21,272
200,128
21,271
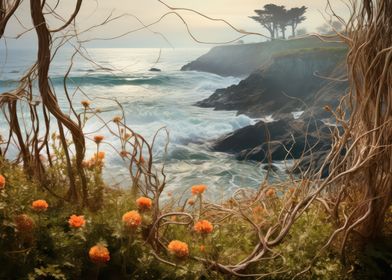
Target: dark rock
288,83
277,141
155,69
295,81
271,167
312,162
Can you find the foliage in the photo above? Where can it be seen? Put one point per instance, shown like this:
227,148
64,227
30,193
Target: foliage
274,17
54,250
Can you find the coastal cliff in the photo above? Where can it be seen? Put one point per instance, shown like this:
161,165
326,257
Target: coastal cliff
243,59
287,83
291,88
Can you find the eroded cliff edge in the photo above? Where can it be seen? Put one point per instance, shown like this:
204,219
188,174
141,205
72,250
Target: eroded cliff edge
292,87
243,59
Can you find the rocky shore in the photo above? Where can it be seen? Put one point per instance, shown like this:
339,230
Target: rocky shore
290,88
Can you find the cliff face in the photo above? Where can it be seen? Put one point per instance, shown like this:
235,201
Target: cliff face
295,81
289,82
242,60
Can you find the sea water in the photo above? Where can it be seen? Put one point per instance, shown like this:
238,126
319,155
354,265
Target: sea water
150,100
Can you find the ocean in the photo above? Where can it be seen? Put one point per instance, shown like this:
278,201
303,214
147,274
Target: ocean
151,100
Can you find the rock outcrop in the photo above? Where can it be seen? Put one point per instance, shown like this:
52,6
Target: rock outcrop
288,83
305,77
242,60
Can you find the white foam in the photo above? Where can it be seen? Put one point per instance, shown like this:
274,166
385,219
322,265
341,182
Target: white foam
297,114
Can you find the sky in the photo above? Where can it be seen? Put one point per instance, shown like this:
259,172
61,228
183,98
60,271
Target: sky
170,31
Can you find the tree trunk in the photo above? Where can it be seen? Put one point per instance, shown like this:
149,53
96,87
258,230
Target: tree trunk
283,29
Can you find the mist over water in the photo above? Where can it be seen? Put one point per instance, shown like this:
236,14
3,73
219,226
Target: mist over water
151,100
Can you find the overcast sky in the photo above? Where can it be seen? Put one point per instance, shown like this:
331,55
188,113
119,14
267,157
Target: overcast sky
171,27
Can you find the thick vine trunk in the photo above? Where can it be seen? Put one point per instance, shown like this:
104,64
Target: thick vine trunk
50,102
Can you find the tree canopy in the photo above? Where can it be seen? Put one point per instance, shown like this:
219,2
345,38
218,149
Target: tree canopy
276,18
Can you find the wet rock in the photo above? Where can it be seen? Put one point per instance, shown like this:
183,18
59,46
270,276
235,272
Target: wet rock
278,141
288,83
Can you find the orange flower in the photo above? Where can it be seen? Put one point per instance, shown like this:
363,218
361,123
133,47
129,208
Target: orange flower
99,254
270,192
99,156
98,138
203,226
132,219
85,103
24,223
40,205
178,248
76,221
258,210
143,203
2,182
191,202
198,189
141,160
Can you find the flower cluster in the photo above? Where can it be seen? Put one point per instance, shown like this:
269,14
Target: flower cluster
99,254
97,160
76,221
39,205
24,223
198,189
178,248
144,203
98,139
132,219
2,182
271,192
203,226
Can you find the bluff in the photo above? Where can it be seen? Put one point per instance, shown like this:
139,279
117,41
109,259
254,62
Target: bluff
293,81
306,80
243,59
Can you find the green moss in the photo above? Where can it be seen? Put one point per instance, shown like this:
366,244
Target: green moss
318,51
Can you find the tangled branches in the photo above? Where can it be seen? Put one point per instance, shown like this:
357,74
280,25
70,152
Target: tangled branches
356,193
361,166
31,144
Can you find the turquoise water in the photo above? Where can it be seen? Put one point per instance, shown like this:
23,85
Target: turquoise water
151,100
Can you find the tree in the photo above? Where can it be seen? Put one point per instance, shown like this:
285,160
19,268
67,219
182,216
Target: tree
266,18
274,17
283,19
301,31
296,16
337,25
323,29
